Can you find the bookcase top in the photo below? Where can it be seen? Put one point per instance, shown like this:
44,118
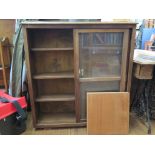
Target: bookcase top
74,23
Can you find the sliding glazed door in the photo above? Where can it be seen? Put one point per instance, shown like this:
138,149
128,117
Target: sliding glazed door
101,57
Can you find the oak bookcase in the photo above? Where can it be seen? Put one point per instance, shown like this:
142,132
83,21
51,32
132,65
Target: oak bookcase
67,60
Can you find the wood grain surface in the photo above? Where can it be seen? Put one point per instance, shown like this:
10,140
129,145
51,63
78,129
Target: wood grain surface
107,113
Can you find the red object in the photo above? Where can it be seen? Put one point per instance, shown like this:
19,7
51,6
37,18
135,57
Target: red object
7,109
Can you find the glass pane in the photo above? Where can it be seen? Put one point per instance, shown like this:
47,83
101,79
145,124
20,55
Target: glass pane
100,54
95,87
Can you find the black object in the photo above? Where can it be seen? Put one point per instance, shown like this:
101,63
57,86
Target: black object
153,44
14,124
141,103
152,98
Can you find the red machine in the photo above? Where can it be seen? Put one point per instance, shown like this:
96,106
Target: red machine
12,114
8,109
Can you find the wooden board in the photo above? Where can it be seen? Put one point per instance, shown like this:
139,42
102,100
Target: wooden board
1,76
49,98
48,118
77,23
4,62
143,71
7,28
60,75
107,113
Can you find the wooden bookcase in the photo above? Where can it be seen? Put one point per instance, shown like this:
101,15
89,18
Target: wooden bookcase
67,60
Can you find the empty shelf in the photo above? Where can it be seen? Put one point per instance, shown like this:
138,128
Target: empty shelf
54,75
56,118
49,98
48,120
52,49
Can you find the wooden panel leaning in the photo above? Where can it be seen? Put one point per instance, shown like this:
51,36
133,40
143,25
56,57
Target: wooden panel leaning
107,113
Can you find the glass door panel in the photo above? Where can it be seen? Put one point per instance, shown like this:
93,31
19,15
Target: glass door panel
100,54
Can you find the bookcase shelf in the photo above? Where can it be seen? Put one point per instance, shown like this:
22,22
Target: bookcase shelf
56,97
5,61
49,118
114,78
54,75
53,49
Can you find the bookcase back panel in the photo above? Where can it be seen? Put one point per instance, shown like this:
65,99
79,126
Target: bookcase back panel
52,61
57,86
60,118
57,107
51,38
